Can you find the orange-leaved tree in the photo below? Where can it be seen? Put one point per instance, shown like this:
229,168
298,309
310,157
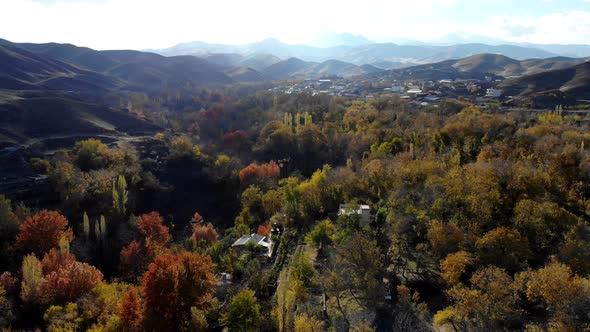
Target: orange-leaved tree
175,286
151,225
42,231
130,311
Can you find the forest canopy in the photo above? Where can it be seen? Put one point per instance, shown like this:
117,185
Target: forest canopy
478,220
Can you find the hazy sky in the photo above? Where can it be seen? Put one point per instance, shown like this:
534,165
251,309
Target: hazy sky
141,24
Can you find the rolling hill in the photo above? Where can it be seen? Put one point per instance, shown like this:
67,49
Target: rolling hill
23,70
245,74
573,81
39,115
254,61
294,68
118,69
478,66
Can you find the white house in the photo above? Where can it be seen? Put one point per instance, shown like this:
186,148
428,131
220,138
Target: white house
493,93
364,211
256,239
397,88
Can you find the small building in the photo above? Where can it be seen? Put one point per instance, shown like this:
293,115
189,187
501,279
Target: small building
223,279
364,211
493,93
397,88
254,239
414,92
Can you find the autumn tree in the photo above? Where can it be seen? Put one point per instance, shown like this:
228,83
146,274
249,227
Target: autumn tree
56,259
63,318
454,266
573,251
544,224
254,173
9,283
444,238
42,231
359,260
272,202
7,314
243,312
173,285
489,303
8,219
32,280
503,247
308,323
151,225
8,230
69,283
565,295
132,259
204,235
197,219
91,154
130,311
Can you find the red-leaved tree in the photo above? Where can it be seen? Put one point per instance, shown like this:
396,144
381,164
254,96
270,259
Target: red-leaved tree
130,311
69,283
205,234
132,259
263,230
151,225
56,259
257,173
175,283
9,283
42,231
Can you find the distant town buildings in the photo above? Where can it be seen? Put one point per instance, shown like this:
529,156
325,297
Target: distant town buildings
421,93
493,93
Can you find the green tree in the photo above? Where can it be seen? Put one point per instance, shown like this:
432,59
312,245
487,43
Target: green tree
86,225
120,195
322,234
243,312
8,220
91,154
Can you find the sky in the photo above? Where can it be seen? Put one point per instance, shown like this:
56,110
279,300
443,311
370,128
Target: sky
152,24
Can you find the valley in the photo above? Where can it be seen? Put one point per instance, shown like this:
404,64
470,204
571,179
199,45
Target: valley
286,187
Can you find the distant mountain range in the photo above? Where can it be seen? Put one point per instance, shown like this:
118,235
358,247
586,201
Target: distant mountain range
41,84
68,67
359,51
477,67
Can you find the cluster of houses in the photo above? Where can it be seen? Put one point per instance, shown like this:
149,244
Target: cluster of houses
333,86
419,92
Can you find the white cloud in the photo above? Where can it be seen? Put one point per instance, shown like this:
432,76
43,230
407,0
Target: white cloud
572,27
149,23
138,24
